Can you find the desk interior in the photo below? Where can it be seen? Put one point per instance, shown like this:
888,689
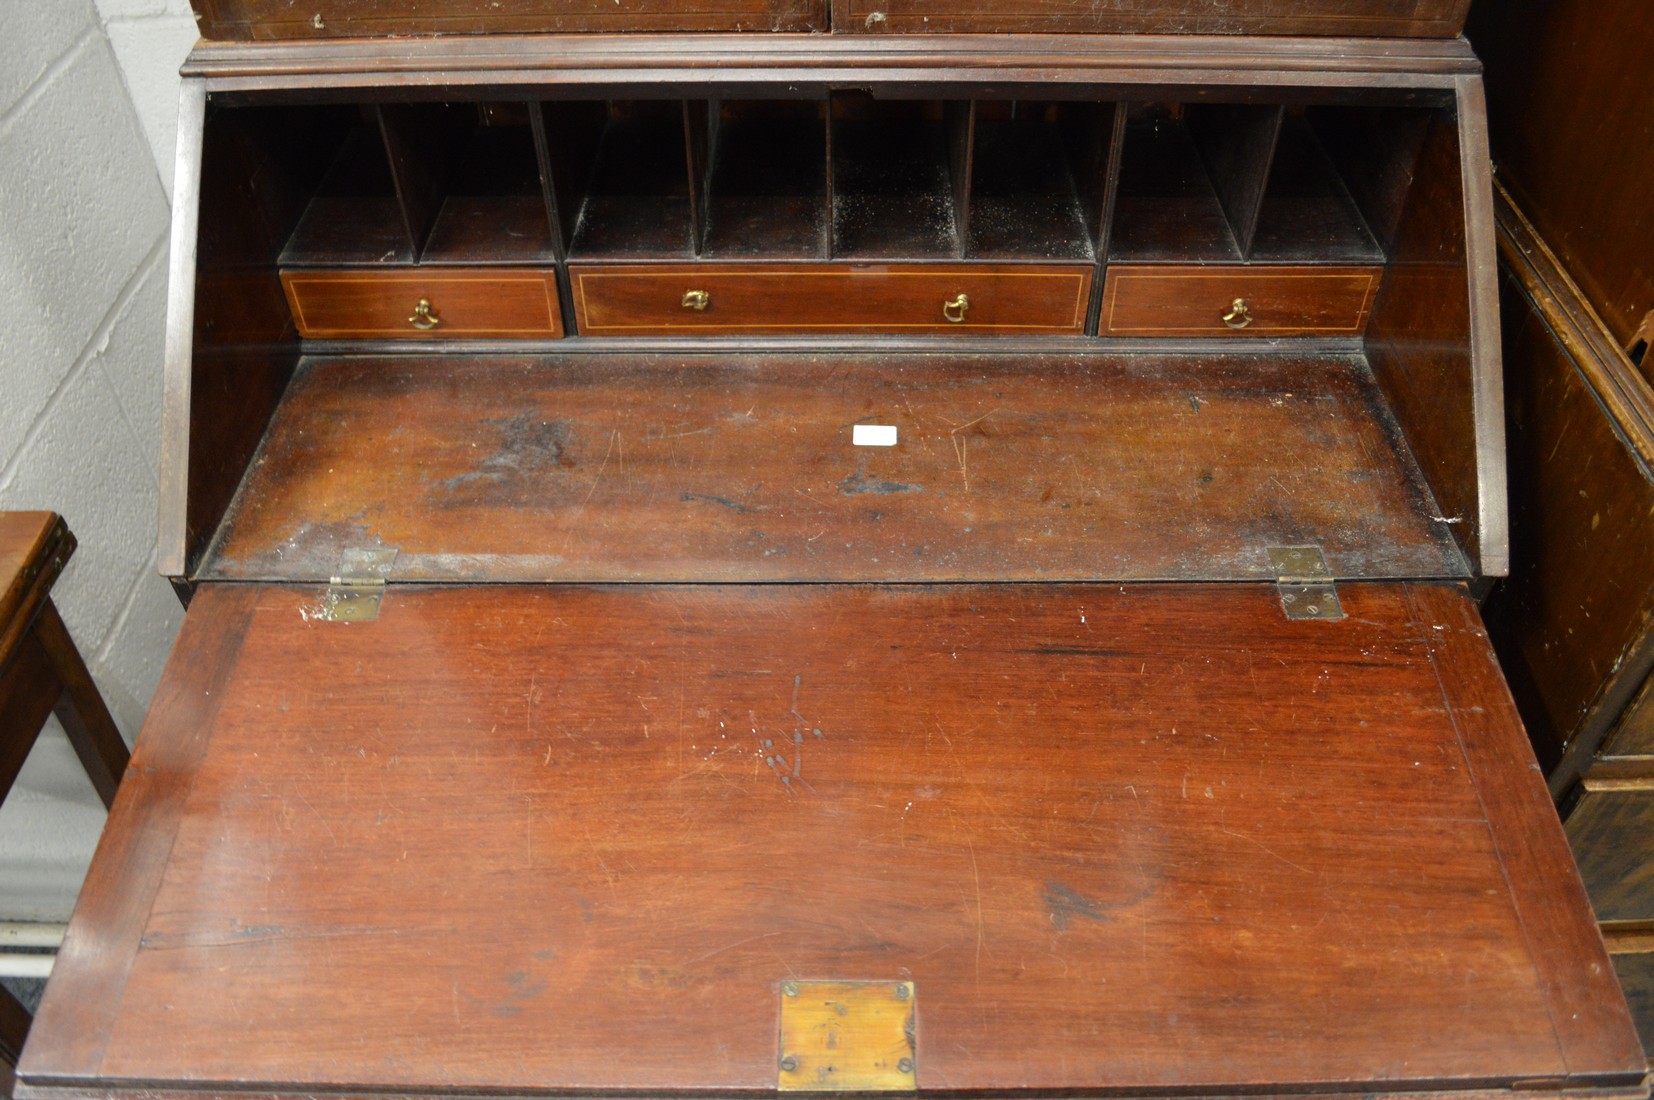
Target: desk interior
741,467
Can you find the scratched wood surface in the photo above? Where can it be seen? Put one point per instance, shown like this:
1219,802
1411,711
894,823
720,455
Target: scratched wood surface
742,467
1140,837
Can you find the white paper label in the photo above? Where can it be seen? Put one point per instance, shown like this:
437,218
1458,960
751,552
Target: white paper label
873,435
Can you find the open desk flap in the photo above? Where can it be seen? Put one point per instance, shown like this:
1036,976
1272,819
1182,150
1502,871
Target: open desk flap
1134,839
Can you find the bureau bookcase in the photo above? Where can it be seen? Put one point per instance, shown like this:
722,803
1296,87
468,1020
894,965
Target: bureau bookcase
833,559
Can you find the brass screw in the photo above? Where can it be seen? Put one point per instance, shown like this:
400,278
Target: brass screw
905,1065
789,1064
789,988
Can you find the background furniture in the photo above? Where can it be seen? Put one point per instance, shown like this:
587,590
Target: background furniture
1571,120
41,674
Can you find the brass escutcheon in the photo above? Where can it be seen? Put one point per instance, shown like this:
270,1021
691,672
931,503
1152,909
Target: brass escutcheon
423,319
696,300
1239,316
954,311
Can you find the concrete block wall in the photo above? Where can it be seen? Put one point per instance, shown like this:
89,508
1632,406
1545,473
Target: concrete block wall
88,95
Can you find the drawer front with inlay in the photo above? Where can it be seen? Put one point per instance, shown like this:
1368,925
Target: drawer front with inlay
1237,301
432,302
777,299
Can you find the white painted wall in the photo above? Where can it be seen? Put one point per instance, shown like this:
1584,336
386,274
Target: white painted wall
88,96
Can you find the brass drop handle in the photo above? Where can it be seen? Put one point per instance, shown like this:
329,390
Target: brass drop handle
423,319
954,311
1239,316
696,300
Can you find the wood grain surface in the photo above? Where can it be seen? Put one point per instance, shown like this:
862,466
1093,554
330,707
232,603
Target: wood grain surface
34,548
1419,342
41,671
1148,838
1424,18
1636,973
905,299
1164,300
1587,1008
709,467
230,343
280,19
356,304
1634,736
1609,829
1572,114
1574,624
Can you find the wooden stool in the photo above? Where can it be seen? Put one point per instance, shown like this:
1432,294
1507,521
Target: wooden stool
41,673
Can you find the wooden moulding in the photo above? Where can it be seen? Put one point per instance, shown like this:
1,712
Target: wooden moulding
174,540
1085,822
676,65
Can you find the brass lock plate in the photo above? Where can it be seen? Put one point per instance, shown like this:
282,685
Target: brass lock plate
848,1037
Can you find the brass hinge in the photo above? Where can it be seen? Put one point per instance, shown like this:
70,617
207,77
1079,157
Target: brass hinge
1305,583
353,595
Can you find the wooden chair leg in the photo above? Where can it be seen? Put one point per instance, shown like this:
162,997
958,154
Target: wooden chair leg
81,708
14,1028
29,689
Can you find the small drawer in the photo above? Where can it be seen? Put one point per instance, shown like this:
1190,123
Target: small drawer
775,299
434,303
1238,301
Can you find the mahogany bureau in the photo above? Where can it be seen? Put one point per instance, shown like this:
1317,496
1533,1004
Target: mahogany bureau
748,548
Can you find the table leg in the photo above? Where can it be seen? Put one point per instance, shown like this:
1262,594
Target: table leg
14,1028
80,708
